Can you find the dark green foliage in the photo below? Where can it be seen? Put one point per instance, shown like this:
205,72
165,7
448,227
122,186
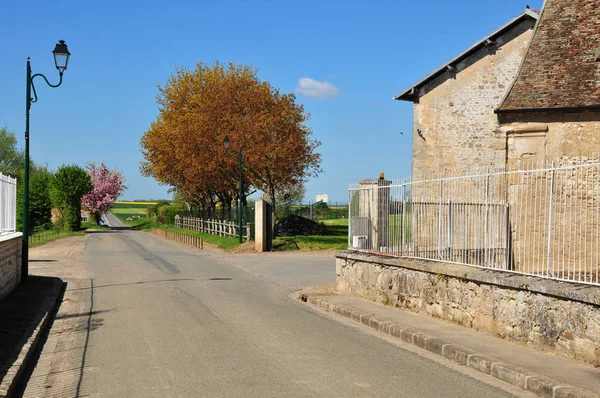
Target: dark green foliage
40,204
166,214
296,225
11,159
70,184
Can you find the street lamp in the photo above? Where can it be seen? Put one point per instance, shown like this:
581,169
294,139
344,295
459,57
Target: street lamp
226,145
61,60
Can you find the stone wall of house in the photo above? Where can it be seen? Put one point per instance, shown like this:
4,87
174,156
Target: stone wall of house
454,120
541,139
563,316
10,263
550,136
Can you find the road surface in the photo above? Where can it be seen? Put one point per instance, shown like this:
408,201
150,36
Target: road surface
144,317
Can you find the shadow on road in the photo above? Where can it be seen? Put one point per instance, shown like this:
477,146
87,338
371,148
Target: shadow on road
22,312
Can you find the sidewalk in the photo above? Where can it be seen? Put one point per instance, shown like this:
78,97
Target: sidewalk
24,315
544,374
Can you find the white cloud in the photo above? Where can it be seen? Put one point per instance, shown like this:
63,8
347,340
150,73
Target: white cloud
316,89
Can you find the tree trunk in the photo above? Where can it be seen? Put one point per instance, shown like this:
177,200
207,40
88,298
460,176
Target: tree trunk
273,213
97,217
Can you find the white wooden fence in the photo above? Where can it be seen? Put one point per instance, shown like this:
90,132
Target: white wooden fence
213,227
8,204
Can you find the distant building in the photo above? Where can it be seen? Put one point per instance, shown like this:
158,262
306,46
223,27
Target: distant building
323,197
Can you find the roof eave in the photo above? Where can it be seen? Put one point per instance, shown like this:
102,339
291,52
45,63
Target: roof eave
405,94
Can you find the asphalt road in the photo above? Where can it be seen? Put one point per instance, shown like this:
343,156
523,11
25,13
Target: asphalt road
154,319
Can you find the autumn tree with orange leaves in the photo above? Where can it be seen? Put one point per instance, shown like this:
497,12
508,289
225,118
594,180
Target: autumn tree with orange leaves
198,108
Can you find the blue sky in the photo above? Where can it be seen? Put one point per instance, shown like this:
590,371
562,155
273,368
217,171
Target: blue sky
366,50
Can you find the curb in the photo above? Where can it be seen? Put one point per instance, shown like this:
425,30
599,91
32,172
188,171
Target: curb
11,379
537,384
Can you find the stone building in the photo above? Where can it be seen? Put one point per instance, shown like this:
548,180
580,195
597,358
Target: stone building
527,96
454,121
552,111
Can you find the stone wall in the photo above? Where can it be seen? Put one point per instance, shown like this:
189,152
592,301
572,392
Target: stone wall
563,316
10,263
454,120
554,135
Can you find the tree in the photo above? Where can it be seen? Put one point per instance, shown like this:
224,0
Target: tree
70,183
11,159
198,108
107,187
289,197
40,203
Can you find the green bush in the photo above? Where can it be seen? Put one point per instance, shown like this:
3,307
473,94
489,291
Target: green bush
70,183
166,214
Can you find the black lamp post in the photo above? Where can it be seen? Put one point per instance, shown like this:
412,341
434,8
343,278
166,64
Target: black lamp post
226,144
61,60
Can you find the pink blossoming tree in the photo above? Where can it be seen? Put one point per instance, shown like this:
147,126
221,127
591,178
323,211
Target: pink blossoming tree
108,186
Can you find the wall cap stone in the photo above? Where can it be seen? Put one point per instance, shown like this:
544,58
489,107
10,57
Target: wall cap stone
586,294
9,236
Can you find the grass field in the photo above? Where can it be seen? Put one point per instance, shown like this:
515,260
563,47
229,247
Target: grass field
335,239
123,210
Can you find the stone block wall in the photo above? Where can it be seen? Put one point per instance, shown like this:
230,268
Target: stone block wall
530,310
10,263
454,120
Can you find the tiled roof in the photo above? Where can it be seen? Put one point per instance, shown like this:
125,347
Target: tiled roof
562,66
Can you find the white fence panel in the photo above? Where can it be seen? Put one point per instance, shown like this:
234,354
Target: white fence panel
542,221
214,227
8,204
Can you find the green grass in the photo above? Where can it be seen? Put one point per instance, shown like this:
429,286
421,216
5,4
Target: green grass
223,242
336,222
42,237
336,238
146,224
310,243
142,222
124,212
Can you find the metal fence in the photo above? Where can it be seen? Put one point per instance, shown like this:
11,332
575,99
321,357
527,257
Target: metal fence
314,211
542,221
8,204
214,227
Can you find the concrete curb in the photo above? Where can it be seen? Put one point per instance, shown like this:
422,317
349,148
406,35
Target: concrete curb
14,372
537,384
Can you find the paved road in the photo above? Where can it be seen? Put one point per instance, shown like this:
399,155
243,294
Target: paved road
149,318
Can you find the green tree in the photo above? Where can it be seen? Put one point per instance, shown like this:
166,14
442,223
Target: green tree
11,159
286,198
70,183
40,202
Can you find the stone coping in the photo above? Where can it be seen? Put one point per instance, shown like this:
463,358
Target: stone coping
564,290
10,235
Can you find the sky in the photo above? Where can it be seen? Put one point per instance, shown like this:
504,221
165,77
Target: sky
345,60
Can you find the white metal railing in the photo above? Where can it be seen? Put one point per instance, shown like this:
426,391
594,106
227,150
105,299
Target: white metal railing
8,204
542,221
214,227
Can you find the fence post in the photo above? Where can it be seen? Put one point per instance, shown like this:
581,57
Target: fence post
247,232
550,221
403,219
450,229
440,218
485,232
